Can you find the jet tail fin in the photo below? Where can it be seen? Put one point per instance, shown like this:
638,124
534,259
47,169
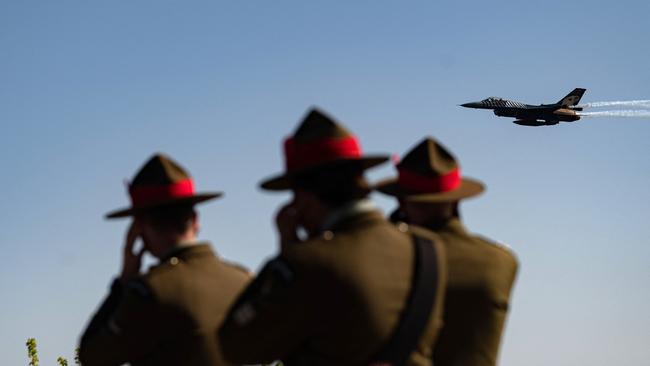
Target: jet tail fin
572,98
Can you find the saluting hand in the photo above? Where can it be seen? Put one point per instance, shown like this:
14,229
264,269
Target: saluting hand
287,221
131,261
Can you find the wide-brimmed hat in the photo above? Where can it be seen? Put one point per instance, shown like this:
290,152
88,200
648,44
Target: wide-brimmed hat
319,143
160,182
429,173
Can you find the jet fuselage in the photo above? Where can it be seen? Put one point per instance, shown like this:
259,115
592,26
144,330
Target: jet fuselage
534,115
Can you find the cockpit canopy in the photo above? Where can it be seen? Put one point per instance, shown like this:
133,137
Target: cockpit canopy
494,102
491,99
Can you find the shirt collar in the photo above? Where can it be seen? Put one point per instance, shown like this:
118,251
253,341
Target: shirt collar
453,225
348,210
183,247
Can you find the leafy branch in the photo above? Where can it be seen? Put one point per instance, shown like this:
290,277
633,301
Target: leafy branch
32,354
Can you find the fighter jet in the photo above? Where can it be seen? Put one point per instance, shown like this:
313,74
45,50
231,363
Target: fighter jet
534,115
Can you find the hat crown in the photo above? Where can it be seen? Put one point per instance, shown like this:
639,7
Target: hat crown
161,181
429,158
430,173
316,126
159,170
319,142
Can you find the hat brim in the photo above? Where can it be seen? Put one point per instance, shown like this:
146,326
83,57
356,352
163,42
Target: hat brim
468,188
284,181
130,211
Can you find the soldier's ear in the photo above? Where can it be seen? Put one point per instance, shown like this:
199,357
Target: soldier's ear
194,223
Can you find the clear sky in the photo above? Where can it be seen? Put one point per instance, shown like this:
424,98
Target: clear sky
89,90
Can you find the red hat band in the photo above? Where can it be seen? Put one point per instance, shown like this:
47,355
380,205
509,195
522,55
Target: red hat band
300,156
413,182
142,195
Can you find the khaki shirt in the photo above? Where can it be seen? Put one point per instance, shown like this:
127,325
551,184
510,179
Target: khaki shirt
332,300
481,277
169,316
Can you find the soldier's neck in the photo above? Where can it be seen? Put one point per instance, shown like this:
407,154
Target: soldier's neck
178,242
436,223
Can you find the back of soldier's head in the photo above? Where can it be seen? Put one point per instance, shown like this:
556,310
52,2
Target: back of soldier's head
174,218
336,186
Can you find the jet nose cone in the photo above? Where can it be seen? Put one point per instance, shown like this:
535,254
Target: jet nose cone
470,105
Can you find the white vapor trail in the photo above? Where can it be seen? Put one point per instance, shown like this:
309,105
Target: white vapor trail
642,109
619,103
635,113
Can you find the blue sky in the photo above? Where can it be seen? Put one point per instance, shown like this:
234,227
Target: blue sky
88,91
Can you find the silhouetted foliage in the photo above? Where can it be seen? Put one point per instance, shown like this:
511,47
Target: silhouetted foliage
32,354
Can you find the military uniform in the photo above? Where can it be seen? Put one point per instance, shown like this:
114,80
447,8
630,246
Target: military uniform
333,300
169,316
338,297
481,272
481,276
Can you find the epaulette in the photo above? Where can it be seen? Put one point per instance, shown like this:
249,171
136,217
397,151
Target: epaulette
167,264
237,266
496,243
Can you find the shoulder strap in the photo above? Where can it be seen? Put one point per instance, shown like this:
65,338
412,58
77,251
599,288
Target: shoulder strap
416,314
